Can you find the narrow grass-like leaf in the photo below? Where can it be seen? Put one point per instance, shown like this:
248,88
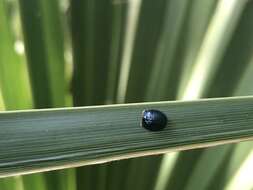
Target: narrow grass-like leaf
53,39
209,162
86,177
35,142
149,168
238,54
34,181
230,165
91,34
119,13
244,87
115,172
147,36
2,107
241,178
163,81
239,57
11,183
195,26
129,41
44,50
13,77
211,52
31,17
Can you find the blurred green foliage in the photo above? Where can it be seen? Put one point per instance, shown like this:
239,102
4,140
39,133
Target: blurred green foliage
93,52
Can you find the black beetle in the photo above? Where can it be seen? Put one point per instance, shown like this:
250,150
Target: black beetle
153,120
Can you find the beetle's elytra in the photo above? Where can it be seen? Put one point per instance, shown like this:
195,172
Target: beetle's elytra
153,120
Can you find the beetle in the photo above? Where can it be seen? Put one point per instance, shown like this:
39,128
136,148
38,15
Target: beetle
153,120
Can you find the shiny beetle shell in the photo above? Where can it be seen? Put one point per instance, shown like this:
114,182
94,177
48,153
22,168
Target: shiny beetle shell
153,120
